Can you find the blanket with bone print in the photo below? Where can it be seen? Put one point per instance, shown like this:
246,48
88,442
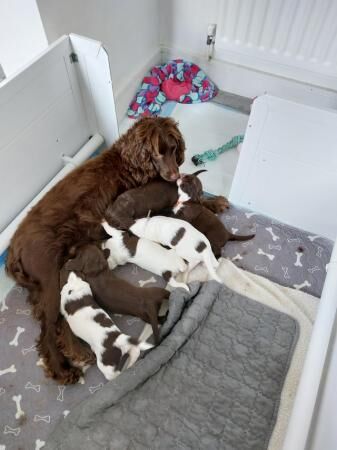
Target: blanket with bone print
214,382
44,403
279,252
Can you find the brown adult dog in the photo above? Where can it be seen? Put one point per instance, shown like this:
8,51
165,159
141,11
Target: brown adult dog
69,213
190,208
112,293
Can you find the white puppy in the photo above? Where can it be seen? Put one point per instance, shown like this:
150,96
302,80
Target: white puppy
188,242
125,247
92,324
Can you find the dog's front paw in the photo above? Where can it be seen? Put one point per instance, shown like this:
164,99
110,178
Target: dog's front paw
216,204
221,204
69,375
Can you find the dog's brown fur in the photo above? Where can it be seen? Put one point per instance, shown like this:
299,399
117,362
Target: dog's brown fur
154,198
112,293
137,203
69,213
194,212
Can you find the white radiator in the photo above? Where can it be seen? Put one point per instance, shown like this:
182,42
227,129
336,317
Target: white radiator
292,38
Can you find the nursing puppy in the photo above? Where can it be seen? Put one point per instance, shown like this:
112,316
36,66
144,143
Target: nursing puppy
154,197
188,242
112,293
126,247
136,203
93,325
189,208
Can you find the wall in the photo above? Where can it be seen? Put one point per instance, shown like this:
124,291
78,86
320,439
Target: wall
22,35
129,30
284,47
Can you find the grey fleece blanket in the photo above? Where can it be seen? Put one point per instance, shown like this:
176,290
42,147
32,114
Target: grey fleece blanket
214,381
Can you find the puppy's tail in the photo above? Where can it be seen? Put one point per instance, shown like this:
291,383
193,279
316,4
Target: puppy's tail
234,237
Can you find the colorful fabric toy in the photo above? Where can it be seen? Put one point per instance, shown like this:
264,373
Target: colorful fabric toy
211,155
177,80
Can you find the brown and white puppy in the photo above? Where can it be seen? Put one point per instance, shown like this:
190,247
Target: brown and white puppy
153,198
125,247
186,240
95,327
112,293
190,208
137,203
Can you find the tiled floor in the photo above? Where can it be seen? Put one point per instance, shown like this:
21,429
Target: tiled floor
207,126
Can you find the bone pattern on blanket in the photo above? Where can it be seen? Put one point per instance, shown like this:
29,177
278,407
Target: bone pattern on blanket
188,242
289,241
19,412
94,326
148,255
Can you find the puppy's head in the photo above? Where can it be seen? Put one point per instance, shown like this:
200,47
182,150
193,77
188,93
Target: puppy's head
88,259
191,185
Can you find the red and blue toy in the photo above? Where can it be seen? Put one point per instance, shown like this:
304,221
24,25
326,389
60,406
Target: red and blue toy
177,80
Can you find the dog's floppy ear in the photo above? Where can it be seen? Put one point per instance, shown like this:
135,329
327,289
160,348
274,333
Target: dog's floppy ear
73,265
199,171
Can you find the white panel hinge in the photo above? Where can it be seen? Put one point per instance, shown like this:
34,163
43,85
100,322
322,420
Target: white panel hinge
73,57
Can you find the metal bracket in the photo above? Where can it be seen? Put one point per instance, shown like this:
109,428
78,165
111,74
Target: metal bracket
73,57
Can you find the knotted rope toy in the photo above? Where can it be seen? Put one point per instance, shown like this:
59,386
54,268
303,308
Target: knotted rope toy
211,155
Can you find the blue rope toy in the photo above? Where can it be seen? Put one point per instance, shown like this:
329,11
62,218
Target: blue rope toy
211,155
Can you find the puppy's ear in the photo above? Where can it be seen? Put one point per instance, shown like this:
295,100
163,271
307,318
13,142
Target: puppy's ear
106,253
199,172
73,265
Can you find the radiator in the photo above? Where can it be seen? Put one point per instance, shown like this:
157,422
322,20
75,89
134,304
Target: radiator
291,38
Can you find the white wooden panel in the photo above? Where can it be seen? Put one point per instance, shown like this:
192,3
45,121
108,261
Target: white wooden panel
312,423
88,149
41,117
2,73
288,164
93,73
26,167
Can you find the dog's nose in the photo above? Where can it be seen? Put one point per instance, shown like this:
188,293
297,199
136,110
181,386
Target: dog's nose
174,176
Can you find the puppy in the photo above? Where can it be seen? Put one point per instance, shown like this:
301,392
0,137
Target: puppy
136,203
188,242
112,293
92,324
152,198
189,208
126,247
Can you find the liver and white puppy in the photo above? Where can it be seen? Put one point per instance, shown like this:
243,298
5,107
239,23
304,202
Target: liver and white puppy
153,197
126,247
92,324
112,293
190,208
136,203
188,242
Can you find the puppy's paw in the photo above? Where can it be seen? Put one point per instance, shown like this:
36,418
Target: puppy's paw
217,204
